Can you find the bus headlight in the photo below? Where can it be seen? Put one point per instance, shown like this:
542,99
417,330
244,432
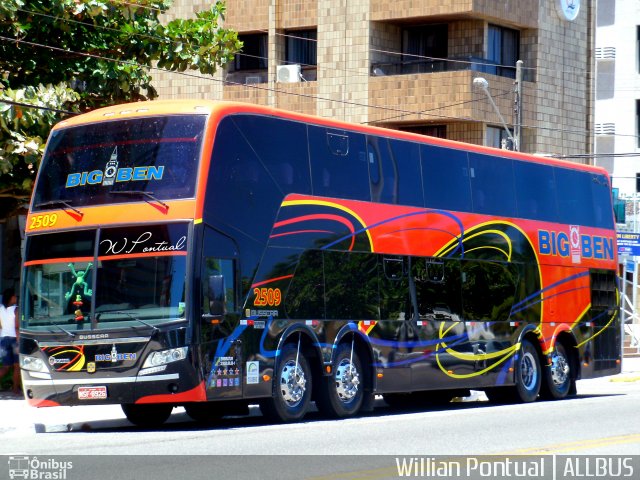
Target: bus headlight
33,364
155,359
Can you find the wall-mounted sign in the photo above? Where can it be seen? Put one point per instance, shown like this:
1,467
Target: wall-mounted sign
568,9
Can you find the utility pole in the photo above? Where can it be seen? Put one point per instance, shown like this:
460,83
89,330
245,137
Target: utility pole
517,107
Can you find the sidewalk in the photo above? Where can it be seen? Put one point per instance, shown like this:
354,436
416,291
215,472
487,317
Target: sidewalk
630,370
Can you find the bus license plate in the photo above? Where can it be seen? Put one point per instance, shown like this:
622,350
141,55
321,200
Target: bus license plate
92,393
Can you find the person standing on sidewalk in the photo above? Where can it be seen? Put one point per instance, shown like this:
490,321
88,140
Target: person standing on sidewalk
9,337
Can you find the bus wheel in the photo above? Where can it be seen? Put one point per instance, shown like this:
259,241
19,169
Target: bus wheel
292,395
342,393
147,415
558,375
528,373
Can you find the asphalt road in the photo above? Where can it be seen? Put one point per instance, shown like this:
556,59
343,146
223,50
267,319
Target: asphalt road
603,419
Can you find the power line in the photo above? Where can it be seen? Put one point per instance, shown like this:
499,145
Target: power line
401,112
597,155
420,112
137,5
470,63
39,107
315,97
480,61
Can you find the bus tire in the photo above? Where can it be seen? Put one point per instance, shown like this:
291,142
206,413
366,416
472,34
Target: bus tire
342,393
528,373
147,415
292,394
558,376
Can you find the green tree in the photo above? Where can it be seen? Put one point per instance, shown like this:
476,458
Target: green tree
77,55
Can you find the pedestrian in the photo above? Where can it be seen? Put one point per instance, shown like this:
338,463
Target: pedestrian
9,329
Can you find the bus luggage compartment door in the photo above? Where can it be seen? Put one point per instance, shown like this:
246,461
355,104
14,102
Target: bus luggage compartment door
222,362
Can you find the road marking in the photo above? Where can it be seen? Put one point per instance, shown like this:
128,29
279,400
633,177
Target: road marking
575,445
625,379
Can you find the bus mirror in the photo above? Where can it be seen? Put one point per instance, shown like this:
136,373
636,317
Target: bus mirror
217,297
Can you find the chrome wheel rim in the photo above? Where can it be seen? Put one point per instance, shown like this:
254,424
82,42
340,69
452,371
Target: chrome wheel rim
528,371
347,380
293,383
559,368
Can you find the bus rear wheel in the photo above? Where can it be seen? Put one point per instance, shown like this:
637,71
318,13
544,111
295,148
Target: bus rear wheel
342,393
558,376
292,395
147,415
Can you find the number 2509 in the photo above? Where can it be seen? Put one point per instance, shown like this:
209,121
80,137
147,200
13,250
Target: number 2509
41,221
267,296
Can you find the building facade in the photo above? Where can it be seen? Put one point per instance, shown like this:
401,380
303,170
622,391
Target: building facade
617,112
410,65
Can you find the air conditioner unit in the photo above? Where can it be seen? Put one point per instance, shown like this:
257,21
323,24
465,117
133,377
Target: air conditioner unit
288,73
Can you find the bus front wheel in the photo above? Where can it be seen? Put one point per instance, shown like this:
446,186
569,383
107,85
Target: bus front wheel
342,393
147,415
292,395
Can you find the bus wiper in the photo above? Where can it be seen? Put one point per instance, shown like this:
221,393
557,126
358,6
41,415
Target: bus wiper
71,334
62,203
132,317
140,193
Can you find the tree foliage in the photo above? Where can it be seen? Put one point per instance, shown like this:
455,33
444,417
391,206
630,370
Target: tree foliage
77,55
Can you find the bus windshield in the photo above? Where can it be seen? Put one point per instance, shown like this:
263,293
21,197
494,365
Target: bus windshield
137,279
109,162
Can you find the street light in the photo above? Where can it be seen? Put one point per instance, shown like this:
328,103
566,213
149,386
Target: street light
481,83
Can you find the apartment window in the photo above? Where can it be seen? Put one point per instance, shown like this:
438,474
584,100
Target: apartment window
495,136
503,50
301,47
638,123
439,131
424,48
254,54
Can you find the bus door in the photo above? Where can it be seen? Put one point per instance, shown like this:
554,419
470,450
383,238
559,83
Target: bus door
220,345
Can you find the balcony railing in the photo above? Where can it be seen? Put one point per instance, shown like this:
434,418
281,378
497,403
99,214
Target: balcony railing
309,73
452,64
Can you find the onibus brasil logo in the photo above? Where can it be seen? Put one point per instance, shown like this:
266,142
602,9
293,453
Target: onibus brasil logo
112,174
38,469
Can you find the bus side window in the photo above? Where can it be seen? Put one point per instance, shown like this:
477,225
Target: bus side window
535,191
445,174
492,185
575,197
394,171
602,215
339,163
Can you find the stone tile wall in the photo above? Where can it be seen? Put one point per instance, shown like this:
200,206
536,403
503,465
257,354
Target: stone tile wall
353,34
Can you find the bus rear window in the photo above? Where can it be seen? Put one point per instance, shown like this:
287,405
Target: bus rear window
90,164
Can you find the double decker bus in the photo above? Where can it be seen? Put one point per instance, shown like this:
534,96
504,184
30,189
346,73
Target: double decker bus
213,255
